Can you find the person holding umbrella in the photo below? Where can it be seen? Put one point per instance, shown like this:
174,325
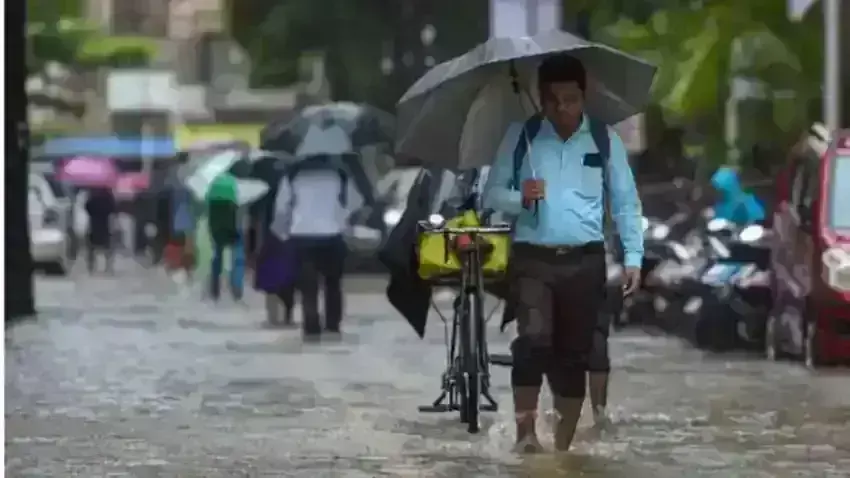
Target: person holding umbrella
98,176
222,185
275,268
559,269
101,208
554,168
324,185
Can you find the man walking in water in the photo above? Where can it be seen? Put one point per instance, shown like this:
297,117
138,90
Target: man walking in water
312,211
555,186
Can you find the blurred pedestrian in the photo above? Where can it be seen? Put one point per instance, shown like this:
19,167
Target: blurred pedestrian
553,172
265,251
100,207
225,229
179,253
735,205
312,211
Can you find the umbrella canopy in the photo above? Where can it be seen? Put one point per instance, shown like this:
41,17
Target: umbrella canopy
215,154
230,188
228,163
89,171
455,114
130,184
334,128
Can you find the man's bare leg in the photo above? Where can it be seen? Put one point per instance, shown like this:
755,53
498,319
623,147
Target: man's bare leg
598,384
569,411
525,409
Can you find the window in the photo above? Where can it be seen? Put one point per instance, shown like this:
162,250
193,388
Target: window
839,194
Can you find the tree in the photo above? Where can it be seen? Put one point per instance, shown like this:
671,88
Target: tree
698,51
354,38
57,32
19,284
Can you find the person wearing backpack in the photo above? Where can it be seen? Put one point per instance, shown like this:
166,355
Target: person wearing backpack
225,229
314,202
552,173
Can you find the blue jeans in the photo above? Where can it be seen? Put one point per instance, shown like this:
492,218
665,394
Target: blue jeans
237,269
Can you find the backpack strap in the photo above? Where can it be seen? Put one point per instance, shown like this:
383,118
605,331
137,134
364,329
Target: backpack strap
529,132
602,139
343,187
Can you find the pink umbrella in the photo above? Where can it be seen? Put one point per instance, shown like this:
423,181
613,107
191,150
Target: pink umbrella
129,184
89,171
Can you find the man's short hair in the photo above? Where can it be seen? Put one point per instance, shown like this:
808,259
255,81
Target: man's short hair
561,68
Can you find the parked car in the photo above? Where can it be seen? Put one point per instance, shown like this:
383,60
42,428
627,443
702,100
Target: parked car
810,318
48,219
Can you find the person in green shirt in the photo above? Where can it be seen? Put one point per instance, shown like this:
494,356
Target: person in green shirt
224,220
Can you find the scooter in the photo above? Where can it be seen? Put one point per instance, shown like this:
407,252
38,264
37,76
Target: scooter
726,305
666,260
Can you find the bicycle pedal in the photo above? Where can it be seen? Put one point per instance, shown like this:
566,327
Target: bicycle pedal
489,408
436,408
502,360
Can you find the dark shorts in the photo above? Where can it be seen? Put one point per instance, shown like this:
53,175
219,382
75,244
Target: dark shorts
558,295
599,360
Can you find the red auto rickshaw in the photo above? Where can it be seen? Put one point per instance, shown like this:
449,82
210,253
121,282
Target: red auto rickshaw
810,316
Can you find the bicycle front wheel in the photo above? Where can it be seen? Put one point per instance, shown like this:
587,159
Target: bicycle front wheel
471,362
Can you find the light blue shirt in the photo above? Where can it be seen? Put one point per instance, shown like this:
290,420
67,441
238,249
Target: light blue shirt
572,211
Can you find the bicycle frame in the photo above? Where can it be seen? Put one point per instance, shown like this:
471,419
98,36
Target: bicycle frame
466,379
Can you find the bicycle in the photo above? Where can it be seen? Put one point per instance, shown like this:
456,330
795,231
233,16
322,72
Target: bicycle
467,378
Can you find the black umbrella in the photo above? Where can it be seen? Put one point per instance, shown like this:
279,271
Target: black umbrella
333,128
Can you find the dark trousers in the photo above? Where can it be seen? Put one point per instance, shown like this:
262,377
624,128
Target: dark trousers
99,238
558,294
322,264
237,268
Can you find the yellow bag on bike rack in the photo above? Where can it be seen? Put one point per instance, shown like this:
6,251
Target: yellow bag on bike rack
438,260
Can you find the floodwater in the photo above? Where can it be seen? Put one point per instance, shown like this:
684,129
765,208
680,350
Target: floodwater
133,377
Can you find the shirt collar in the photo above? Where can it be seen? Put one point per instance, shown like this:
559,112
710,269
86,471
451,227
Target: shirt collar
583,128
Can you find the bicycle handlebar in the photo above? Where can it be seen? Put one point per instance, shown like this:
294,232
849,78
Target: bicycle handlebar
429,228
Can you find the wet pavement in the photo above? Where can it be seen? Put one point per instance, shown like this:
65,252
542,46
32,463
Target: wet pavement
134,377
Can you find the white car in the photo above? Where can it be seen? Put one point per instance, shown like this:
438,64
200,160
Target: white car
48,227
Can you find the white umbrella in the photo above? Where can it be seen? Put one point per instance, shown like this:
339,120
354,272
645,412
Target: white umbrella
199,182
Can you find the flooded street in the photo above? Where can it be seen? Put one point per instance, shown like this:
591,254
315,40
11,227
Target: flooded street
132,377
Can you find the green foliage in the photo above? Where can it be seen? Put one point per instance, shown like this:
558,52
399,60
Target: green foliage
695,52
116,51
56,32
353,37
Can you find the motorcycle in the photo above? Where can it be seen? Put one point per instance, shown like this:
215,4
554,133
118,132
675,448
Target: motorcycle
739,278
665,261
709,286
725,305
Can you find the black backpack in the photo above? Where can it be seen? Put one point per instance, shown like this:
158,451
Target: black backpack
598,130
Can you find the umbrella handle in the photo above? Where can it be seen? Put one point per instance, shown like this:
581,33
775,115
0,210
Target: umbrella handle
514,77
517,90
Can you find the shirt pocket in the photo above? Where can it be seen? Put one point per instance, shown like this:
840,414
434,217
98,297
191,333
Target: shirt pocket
591,176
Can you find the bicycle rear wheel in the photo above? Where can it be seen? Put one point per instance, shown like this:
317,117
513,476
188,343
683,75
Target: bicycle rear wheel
471,362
